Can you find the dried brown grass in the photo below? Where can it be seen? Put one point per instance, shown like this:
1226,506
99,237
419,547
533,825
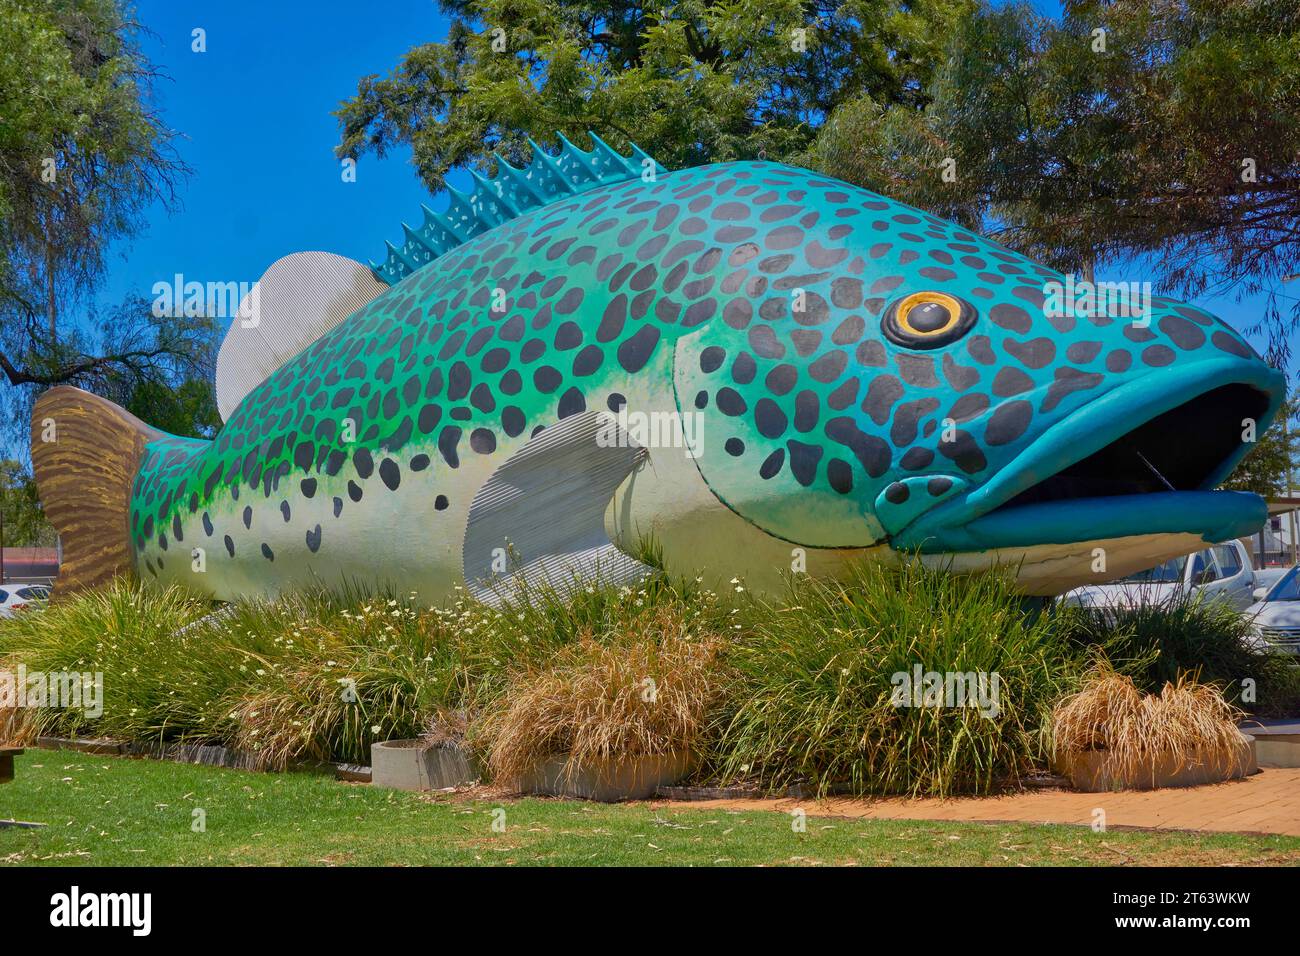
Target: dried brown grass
17,726
1187,721
643,694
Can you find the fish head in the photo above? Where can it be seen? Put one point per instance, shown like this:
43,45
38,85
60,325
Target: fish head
880,374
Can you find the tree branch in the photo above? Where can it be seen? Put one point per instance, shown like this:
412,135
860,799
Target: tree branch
85,365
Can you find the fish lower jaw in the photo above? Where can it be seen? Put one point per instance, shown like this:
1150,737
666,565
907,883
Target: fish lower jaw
1049,570
1205,516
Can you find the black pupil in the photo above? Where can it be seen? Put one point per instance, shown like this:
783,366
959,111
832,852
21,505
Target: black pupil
928,317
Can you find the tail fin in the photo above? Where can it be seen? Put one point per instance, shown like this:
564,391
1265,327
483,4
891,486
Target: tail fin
85,454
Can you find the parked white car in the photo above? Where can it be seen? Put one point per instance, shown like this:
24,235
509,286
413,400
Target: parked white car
21,597
1276,614
1219,572
1265,578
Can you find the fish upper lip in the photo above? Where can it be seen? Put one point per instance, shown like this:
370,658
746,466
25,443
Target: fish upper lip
1105,419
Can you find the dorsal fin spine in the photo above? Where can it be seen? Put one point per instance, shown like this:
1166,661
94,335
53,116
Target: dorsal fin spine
570,161
548,172
611,157
435,231
499,193
538,178
522,184
639,160
394,253
417,247
511,192
459,215
413,250
494,210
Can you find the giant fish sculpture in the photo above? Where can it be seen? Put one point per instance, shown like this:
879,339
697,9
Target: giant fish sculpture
854,379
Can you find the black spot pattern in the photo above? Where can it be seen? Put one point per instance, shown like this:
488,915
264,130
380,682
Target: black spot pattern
784,276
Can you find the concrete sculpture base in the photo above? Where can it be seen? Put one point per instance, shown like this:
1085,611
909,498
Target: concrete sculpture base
1088,771
627,778
414,765
1277,742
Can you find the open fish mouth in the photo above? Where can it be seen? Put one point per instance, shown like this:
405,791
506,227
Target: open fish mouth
1139,459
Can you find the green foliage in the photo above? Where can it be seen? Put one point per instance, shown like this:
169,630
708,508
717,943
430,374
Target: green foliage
813,700
82,155
801,692
271,677
189,409
690,82
25,525
158,367
1085,148
308,676
532,628
83,152
126,632
1210,641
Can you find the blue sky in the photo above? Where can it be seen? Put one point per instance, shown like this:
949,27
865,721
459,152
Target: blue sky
254,112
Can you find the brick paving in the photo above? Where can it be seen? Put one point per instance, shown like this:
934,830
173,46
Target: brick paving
1267,802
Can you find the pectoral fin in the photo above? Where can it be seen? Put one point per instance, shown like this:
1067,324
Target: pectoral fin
539,519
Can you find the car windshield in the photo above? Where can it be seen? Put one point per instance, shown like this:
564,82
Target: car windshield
1170,572
1288,589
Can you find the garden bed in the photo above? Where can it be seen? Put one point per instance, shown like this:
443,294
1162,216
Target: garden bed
774,697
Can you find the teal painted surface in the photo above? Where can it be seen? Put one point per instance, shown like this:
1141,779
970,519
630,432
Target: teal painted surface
761,298
1214,515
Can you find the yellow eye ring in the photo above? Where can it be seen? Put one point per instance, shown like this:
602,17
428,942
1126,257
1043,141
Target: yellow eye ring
916,299
942,318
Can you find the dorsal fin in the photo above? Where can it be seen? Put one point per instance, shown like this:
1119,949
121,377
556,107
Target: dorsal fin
508,194
297,300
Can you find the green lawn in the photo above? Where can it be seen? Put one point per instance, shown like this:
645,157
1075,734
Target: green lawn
111,811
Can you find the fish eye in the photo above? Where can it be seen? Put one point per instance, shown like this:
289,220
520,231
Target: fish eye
927,320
